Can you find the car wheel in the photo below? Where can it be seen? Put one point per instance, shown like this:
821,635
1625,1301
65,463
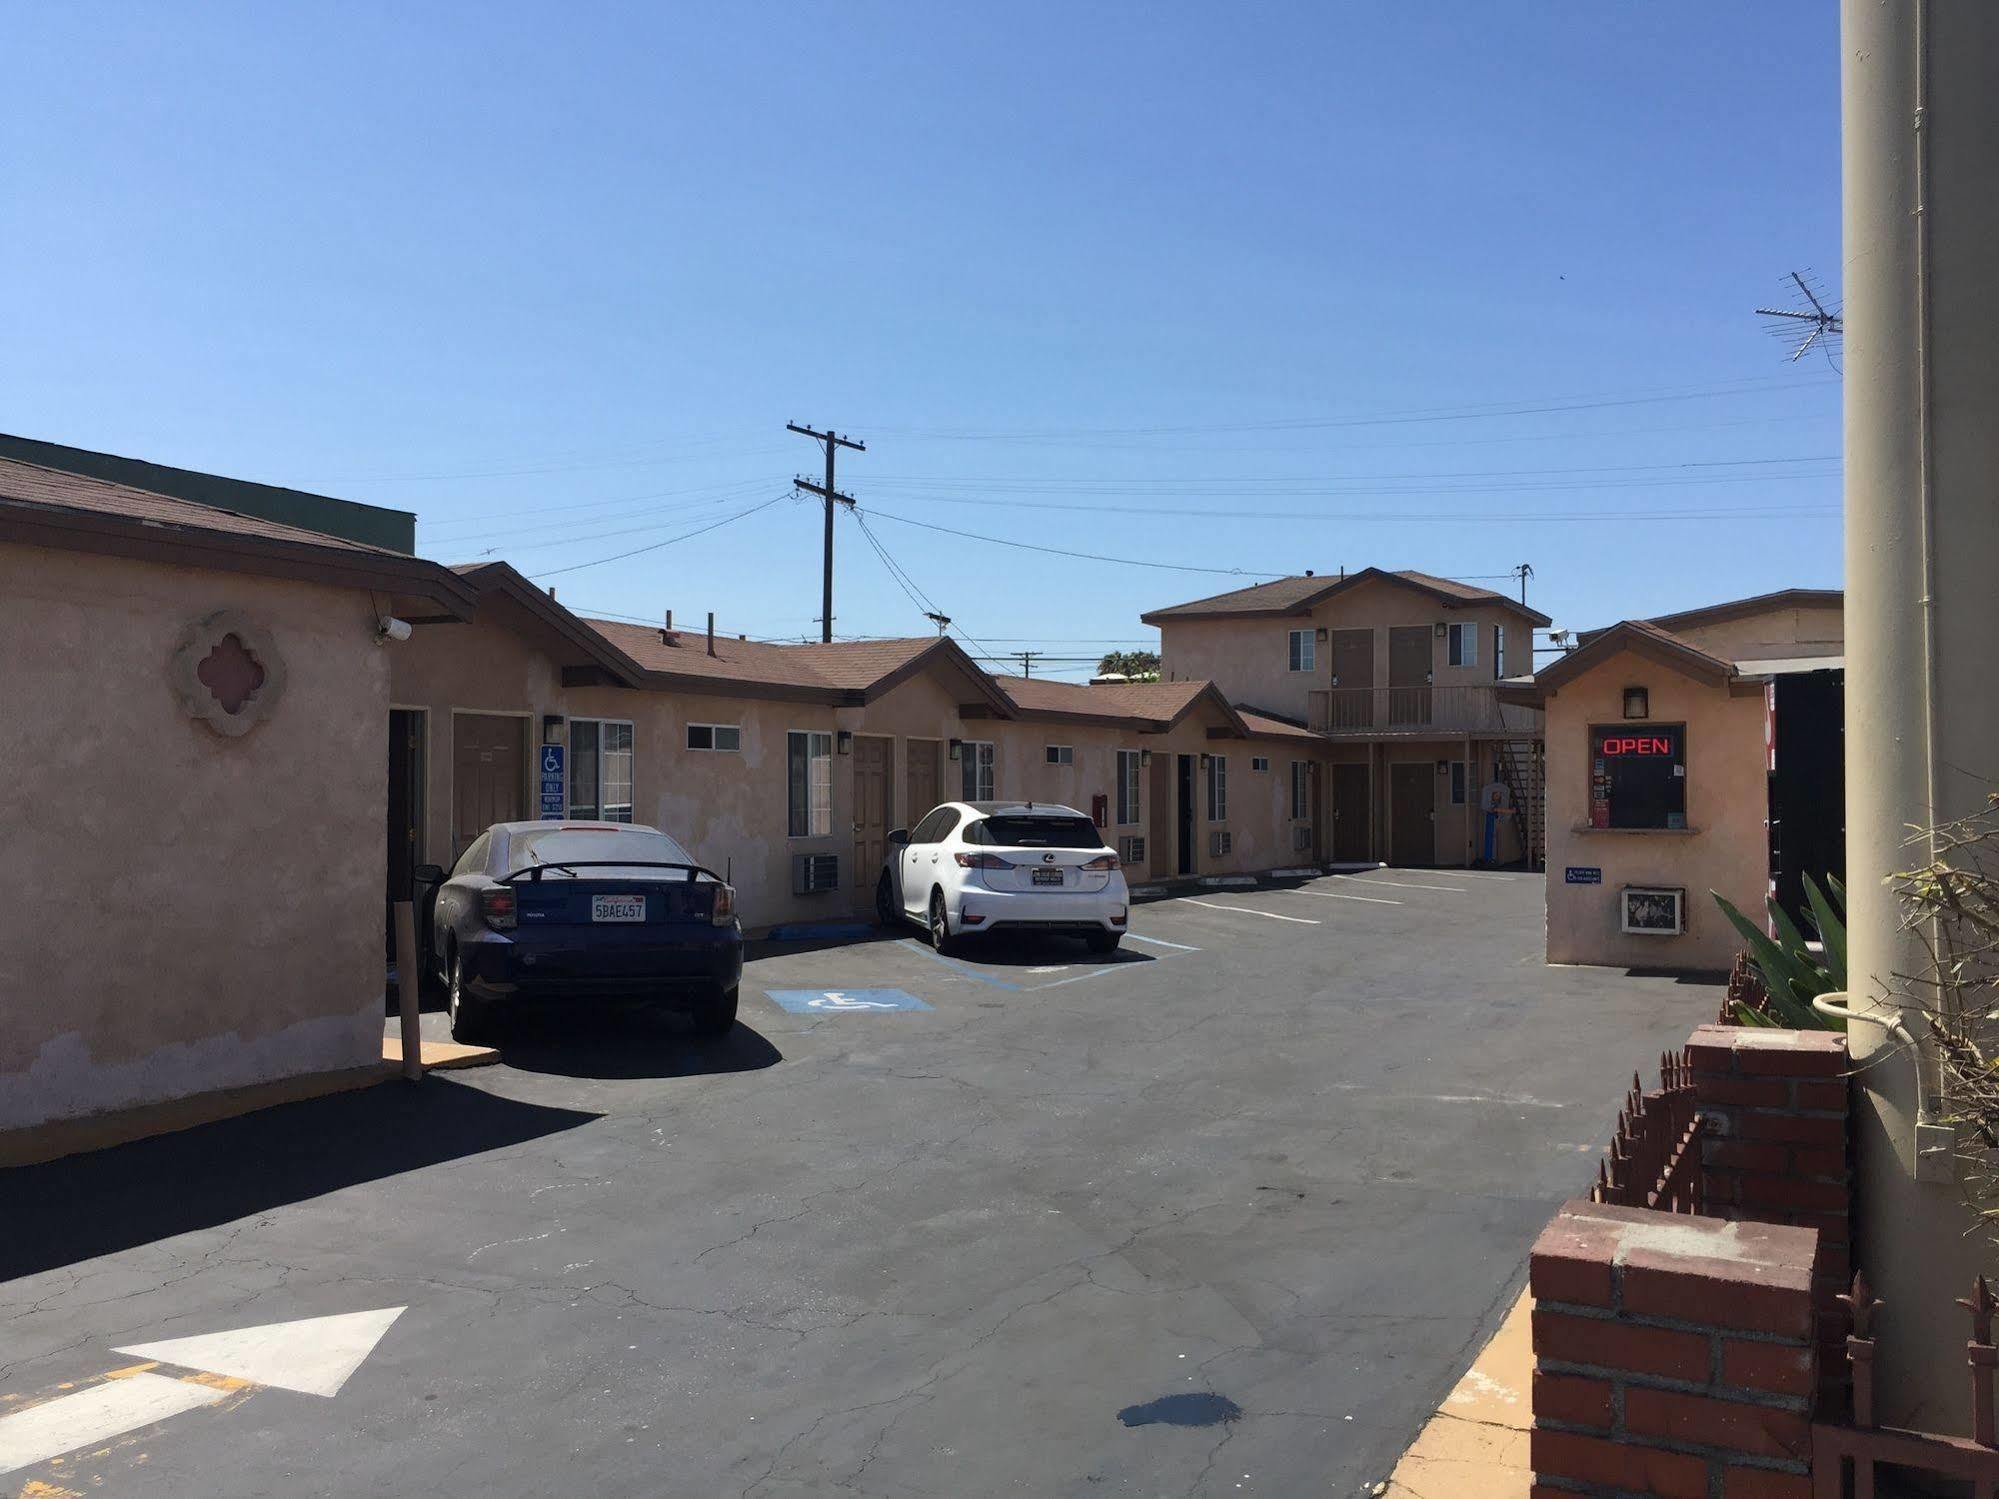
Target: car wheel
1104,942
716,1015
940,927
471,1017
885,909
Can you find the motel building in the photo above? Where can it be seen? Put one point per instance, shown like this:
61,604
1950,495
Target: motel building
1696,752
1398,676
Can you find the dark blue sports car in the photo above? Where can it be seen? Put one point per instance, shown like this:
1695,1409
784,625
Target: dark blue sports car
567,911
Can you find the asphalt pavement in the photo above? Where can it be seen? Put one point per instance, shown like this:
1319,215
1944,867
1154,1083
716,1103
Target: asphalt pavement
1226,1213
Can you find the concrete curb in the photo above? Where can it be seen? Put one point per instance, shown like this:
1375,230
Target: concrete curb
819,931
1475,1446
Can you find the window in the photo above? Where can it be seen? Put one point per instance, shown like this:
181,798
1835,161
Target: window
1061,754
935,828
715,736
1638,776
1302,650
474,857
1457,783
600,770
1259,762
1301,789
808,783
1218,788
977,769
1464,645
1027,831
1498,652
1127,787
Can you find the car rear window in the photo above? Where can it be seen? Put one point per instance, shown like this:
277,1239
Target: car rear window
595,845
1036,832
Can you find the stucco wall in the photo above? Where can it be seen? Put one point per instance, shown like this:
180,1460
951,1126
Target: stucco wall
1725,849
1772,634
184,911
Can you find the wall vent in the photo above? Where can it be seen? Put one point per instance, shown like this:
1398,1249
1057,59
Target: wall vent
1220,844
1301,839
1131,849
814,874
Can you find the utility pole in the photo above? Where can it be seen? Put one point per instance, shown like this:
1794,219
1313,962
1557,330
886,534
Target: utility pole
942,621
1523,572
1027,661
832,442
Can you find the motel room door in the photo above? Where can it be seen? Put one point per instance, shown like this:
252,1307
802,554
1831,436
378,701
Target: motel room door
873,772
922,775
1351,800
1412,810
1409,650
489,781
1353,679
1184,813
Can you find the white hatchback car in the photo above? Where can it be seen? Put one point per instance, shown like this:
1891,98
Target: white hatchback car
972,867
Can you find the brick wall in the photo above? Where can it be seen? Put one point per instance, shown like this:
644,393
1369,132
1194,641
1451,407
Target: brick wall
1775,1151
1674,1356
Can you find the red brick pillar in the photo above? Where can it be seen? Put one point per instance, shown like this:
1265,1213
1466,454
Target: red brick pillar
1775,1151
1673,1356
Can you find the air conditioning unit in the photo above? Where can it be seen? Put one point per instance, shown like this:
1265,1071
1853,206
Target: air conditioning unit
814,874
1219,844
1131,849
1301,839
1653,910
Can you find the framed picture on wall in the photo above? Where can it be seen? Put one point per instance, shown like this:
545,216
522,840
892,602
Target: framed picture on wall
1654,911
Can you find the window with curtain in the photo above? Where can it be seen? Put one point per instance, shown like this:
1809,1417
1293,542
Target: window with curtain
600,770
808,783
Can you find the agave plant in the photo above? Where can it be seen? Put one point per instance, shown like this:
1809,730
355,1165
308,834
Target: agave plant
1792,974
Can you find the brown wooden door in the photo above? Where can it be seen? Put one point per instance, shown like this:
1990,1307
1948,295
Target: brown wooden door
488,775
1353,679
1409,648
922,777
1412,793
1351,801
872,808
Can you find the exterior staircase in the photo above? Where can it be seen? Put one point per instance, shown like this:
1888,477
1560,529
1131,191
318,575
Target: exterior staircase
1523,765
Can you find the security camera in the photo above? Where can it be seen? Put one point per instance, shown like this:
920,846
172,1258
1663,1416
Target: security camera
388,628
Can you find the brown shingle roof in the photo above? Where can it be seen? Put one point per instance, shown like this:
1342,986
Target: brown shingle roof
1638,635
1299,595
1154,704
54,508
842,665
1266,727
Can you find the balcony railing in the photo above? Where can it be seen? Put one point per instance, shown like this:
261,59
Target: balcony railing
1361,711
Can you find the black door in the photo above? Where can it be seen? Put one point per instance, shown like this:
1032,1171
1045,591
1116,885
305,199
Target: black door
1185,814
1412,830
1351,802
1808,787
405,809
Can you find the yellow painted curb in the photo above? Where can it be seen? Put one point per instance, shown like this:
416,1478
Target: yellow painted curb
438,1055
1475,1446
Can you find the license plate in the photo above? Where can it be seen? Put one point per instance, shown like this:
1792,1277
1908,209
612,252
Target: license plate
1047,876
617,908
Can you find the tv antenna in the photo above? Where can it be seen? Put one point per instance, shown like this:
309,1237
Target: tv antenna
1820,325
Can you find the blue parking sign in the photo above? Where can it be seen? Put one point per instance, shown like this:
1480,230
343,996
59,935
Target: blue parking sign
551,781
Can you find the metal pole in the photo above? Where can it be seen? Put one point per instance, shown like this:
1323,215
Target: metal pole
408,980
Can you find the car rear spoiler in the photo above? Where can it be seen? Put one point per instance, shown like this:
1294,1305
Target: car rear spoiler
533,871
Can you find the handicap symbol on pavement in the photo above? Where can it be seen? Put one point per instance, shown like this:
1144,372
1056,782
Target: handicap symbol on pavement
850,1001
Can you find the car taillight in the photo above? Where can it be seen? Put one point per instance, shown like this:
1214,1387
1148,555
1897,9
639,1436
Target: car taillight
725,905
1103,863
497,907
983,861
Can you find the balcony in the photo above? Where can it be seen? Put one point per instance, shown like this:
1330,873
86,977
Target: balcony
1419,712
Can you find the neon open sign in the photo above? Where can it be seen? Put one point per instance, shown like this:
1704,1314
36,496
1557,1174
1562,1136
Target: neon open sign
1637,744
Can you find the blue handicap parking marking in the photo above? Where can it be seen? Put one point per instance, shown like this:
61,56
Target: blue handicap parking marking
844,1001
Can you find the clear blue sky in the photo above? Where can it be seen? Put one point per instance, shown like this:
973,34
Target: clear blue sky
1265,287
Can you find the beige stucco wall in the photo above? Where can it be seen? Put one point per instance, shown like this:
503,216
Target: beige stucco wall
1726,849
1249,659
1771,634
184,911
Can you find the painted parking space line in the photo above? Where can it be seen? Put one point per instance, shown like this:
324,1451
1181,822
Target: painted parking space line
1270,915
1372,900
1160,942
1401,884
912,945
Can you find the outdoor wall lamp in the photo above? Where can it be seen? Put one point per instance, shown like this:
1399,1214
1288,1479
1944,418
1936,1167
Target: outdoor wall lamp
1206,760
551,728
1320,634
1442,629
957,748
843,741
1443,767
1637,703
1145,757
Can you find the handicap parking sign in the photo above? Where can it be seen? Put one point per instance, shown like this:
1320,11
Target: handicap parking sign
551,781
844,1001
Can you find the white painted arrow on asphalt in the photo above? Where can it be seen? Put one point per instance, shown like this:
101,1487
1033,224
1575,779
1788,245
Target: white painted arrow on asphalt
314,1356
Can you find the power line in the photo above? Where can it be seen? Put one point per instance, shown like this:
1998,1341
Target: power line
1028,546
687,536
486,517
832,442
909,585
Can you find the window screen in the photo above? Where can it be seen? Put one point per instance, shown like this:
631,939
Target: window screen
1218,788
808,784
583,741
976,769
1127,786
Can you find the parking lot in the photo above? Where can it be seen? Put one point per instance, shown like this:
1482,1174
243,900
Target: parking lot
1226,1212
